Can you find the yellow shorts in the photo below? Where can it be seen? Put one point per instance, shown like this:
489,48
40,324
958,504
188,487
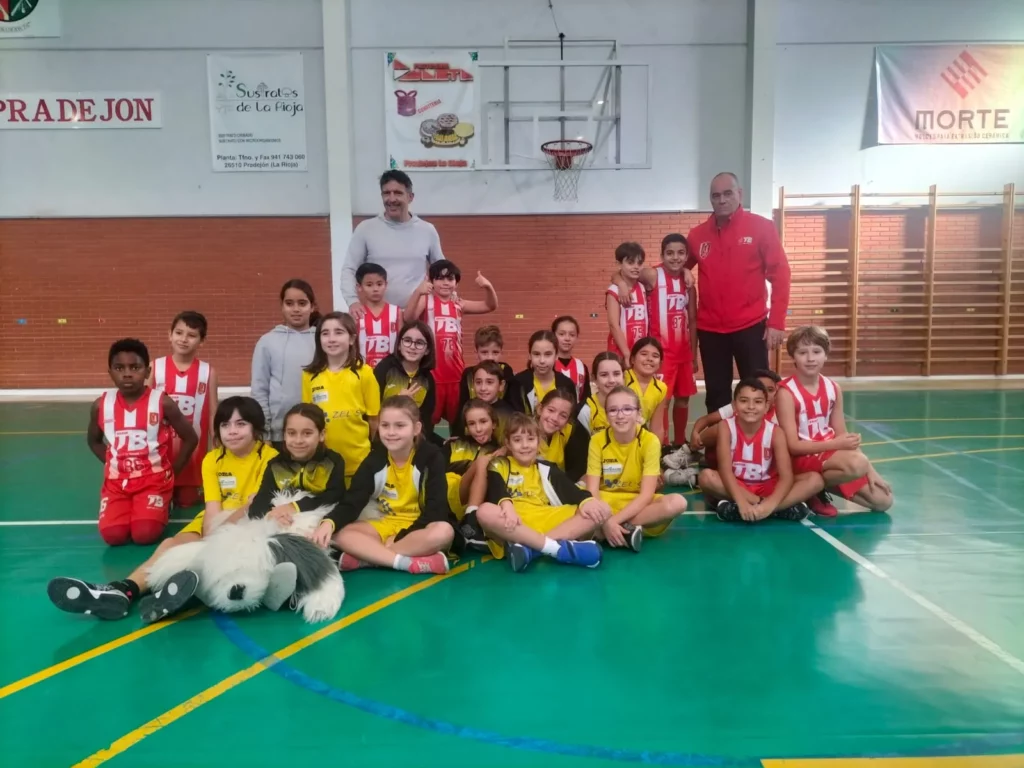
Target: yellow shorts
540,519
618,500
454,502
196,526
390,525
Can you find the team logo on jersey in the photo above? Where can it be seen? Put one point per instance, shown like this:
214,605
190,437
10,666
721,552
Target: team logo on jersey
746,241
705,249
154,419
16,10
202,388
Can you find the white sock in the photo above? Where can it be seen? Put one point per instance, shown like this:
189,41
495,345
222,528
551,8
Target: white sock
550,547
402,563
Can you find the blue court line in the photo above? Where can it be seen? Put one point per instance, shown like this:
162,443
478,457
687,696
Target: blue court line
988,744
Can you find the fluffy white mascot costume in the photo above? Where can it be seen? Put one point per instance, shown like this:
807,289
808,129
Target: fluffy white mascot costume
234,564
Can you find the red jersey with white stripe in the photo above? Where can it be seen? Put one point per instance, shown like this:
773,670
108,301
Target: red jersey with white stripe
727,412
190,390
444,318
378,333
633,320
138,438
668,306
813,412
577,373
752,459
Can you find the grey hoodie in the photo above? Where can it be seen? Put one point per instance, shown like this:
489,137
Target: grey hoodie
277,364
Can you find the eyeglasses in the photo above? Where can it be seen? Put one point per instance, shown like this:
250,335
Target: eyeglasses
625,410
414,343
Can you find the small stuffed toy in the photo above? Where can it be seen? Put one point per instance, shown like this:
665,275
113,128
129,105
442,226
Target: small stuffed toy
250,563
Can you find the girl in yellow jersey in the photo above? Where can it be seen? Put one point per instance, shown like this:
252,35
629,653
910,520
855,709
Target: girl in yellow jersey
407,371
562,441
467,458
395,513
623,467
533,508
540,377
344,387
645,360
609,373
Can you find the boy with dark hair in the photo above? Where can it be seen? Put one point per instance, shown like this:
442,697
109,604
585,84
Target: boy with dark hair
705,433
378,327
755,477
192,384
437,304
627,324
130,431
810,410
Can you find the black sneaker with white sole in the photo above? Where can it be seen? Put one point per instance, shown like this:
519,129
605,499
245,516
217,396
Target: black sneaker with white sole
470,529
170,599
797,512
104,601
634,536
728,511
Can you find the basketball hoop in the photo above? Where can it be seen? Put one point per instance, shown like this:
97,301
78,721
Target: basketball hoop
566,158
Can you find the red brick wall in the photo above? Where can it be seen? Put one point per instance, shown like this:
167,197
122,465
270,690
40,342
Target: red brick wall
116,277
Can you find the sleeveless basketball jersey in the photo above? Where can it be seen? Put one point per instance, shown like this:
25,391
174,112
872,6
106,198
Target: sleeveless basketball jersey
633,319
813,412
188,389
577,373
378,334
444,318
138,439
752,460
669,304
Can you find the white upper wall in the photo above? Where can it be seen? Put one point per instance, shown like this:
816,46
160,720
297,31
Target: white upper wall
824,96
155,45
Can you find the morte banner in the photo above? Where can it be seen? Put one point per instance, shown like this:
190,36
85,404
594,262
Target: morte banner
950,94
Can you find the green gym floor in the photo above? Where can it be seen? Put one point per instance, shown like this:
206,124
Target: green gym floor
896,637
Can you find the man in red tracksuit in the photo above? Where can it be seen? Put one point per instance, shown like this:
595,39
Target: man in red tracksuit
735,252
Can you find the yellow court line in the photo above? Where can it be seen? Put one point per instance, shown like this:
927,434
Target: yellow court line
205,697
948,453
976,761
74,661
944,437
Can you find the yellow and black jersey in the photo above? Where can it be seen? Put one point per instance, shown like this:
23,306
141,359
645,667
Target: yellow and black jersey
622,466
467,393
650,398
591,416
348,398
567,450
392,378
539,485
502,412
531,392
461,452
323,476
232,480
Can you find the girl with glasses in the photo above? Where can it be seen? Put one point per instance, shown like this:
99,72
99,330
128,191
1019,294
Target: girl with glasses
407,371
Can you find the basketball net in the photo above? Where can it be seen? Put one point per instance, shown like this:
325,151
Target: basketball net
566,158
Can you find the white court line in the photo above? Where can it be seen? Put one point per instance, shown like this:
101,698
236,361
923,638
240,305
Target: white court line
27,523
964,629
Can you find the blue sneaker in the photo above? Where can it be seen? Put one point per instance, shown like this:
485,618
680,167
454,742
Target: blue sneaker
520,556
585,553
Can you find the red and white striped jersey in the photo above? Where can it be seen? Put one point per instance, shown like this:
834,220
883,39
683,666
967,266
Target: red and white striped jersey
813,412
752,458
444,318
577,373
633,320
189,390
378,333
138,438
669,305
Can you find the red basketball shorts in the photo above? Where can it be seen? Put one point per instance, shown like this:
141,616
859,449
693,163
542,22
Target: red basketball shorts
447,402
815,462
677,373
135,509
763,489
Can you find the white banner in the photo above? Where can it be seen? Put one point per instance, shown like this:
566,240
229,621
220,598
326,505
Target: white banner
257,112
432,110
29,18
80,110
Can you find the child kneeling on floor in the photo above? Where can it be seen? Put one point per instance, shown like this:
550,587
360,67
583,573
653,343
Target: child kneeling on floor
409,523
534,509
623,468
756,478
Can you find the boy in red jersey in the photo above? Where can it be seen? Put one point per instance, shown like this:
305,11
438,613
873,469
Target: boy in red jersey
192,384
810,411
438,305
627,323
756,479
378,327
131,431
705,432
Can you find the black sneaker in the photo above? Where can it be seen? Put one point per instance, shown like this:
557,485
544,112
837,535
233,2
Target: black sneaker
634,536
470,529
104,601
170,599
797,512
728,511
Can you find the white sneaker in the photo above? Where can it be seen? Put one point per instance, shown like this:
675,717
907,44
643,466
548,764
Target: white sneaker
677,459
680,477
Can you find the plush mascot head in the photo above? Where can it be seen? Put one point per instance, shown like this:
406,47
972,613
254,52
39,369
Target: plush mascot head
235,561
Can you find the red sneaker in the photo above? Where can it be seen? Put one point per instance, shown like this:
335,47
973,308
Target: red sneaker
822,506
437,563
348,563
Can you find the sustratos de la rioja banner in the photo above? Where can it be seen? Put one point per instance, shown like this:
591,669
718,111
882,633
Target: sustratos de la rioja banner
29,18
950,94
432,110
